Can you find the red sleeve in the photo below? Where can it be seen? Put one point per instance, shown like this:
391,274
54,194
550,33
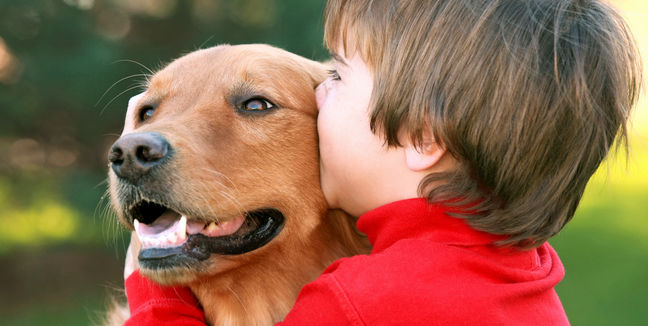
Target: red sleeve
323,302
153,304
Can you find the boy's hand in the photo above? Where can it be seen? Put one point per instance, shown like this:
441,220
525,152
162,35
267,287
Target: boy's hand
132,264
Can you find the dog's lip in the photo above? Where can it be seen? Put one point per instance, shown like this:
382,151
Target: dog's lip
171,228
173,232
259,228
138,211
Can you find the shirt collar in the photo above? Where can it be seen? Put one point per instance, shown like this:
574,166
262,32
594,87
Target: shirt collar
417,219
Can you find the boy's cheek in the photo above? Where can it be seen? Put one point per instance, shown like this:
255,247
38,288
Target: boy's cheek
322,130
322,93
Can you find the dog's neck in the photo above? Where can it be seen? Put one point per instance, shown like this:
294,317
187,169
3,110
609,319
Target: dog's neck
250,296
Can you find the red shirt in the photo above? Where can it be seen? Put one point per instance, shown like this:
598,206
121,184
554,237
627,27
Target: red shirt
426,268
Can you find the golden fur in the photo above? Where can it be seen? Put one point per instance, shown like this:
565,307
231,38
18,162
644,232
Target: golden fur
226,163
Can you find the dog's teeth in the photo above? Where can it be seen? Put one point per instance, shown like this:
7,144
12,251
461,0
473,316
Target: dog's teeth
182,227
172,238
212,227
165,241
136,225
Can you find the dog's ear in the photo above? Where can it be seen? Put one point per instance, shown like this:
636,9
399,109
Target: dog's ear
317,71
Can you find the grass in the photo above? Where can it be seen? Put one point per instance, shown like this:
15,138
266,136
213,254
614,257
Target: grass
606,266
85,309
605,247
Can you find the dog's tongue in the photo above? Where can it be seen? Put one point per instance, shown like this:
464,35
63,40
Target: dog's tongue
171,230
168,221
168,230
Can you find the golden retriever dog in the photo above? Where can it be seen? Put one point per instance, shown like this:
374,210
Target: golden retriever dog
217,171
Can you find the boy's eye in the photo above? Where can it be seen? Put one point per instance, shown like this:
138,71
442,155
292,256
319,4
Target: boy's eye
334,74
257,104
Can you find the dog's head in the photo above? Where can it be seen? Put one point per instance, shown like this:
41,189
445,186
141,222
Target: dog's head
218,159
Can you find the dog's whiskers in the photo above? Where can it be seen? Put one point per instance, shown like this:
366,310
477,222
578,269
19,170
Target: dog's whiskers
234,201
102,182
208,189
223,193
222,175
197,192
104,212
209,207
217,192
117,82
203,43
137,63
226,195
118,95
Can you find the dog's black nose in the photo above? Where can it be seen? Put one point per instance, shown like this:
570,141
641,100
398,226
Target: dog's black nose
133,155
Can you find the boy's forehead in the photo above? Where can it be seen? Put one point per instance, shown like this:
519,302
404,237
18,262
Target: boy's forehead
345,49
338,58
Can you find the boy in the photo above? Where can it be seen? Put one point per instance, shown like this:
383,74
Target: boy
463,134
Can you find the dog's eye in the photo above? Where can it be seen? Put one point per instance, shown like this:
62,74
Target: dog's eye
146,113
257,104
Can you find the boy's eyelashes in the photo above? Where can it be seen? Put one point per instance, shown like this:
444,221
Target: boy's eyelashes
334,74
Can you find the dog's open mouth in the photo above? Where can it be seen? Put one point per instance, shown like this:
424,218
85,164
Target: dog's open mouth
170,238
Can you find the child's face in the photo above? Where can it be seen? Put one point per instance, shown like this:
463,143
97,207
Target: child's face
357,171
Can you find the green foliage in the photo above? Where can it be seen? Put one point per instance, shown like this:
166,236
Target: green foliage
604,251
41,209
67,54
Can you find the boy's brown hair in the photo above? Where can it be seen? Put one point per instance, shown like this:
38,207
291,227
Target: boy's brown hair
528,96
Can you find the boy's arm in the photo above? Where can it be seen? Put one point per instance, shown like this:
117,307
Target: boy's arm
323,302
152,304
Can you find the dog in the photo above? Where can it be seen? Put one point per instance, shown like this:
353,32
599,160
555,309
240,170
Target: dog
217,171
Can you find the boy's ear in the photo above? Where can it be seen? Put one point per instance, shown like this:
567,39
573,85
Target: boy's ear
425,157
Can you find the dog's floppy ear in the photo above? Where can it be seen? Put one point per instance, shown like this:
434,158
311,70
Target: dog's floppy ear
317,71
328,62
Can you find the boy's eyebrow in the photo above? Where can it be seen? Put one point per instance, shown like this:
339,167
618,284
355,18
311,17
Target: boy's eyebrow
338,58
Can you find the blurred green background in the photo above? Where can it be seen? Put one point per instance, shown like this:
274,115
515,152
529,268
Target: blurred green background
61,250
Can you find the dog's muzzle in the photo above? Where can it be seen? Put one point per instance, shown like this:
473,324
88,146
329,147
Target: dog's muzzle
169,234
134,155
